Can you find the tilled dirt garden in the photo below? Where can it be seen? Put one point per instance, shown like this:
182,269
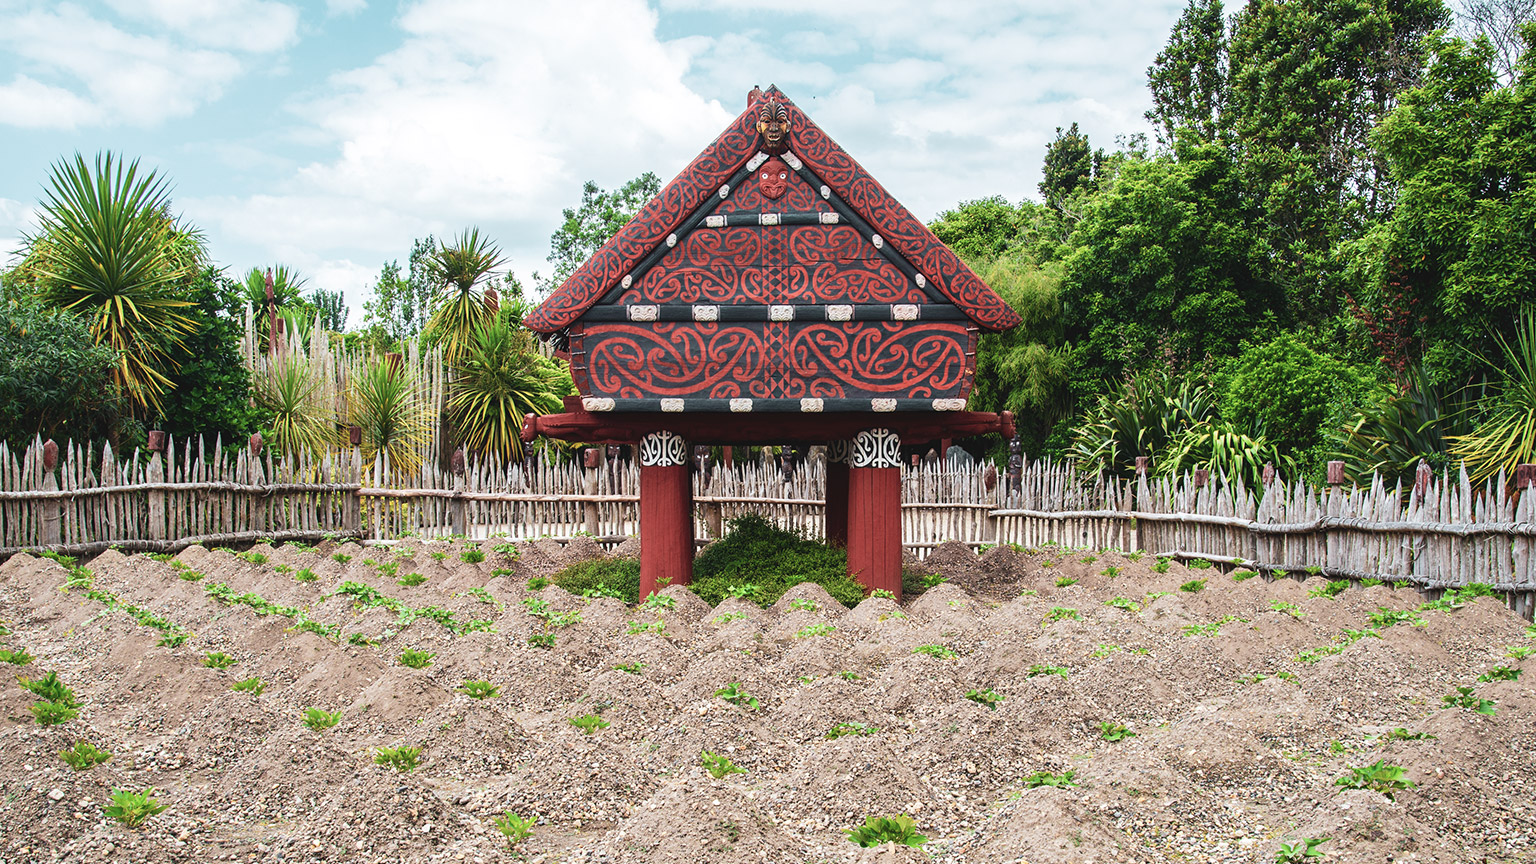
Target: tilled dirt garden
1242,724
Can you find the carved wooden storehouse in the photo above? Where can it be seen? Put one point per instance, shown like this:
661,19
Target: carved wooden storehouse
773,293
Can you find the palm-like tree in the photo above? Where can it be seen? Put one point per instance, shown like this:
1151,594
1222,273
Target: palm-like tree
387,402
291,390
457,270
497,380
108,250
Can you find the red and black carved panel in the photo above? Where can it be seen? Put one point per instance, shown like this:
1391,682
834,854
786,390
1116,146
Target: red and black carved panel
774,264
798,197
772,360
897,226
650,227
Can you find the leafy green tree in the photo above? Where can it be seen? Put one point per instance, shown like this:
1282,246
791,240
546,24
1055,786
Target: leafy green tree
598,217
1162,271
1188,79
54,381
1070,164
332,306
210,393
1309,79
983,230
107,249
1459,250
401,303
1500,22
497,380
1292,395
1026,369
389,404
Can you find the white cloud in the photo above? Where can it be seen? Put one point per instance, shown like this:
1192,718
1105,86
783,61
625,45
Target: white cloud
487,113
78,69
345,7
17,218
244,25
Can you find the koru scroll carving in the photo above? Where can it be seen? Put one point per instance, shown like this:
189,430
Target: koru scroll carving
663,449
877,448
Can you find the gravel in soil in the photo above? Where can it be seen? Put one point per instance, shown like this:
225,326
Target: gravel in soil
979,709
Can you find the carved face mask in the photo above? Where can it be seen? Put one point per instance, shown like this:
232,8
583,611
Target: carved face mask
773,178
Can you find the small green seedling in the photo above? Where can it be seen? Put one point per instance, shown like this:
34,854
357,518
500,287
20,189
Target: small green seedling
52,713
942,652
1154,595
659,602
542,640
1104,650
1114,732
1037,669
1193,586
1123,603
320,720
538,583
742,592
253,686
1199,564
1061,613
416,659
191,576
305,575
1330,590
471,556
1401,734
341,558
508,549
50,689
883,594
218,660
438,556
1384,617
1500,673
1301,851
718,766
988,697
734,694
1046,778
402,758
479,689
19,657
846,675
631,668
411,580
589,723
1111,572
514,827
1066,581
1377,777
642,627
840,730
1290,609
933,580
173,640
132,808
1161,566
84,756
361,640
802,605
821,629
1243,575
252,557
1519,652
880,830
1463,698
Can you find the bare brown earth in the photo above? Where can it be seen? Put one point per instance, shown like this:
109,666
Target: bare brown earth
1224,767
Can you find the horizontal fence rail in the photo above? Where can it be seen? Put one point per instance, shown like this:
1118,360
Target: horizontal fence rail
1442,534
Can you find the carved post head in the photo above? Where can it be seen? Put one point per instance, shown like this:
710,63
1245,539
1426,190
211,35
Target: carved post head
1525,475
1143,464
50,456
355,435
1268,474
1335,473
591,457
1421,478
1202,476
989,477
255,443
456,464
156,441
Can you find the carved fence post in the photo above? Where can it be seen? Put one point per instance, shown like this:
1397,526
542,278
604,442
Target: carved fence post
352,518
592,461
51,506
456,507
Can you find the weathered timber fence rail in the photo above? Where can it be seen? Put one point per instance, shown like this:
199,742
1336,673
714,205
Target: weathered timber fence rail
1443,533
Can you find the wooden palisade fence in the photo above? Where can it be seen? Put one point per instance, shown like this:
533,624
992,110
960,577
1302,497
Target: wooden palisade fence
1443,532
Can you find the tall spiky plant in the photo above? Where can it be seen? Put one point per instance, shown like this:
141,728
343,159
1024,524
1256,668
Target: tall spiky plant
291,389
1508,436
457,270
107,249
498,379
387,402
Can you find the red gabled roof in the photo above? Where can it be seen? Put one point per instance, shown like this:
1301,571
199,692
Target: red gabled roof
715,166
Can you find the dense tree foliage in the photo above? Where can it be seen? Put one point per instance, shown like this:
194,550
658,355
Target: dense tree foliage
598,217
55,382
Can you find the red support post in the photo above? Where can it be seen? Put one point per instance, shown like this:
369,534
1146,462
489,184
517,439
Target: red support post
666,513
874,511
837,493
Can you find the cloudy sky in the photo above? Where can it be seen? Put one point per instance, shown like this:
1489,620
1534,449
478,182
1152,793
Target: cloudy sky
326,135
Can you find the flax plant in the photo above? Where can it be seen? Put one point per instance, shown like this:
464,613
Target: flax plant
387,402
457,270
498,379
292,390
1508,437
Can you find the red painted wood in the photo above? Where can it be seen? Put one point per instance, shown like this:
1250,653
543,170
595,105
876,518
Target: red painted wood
837,503
666,527
874,528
